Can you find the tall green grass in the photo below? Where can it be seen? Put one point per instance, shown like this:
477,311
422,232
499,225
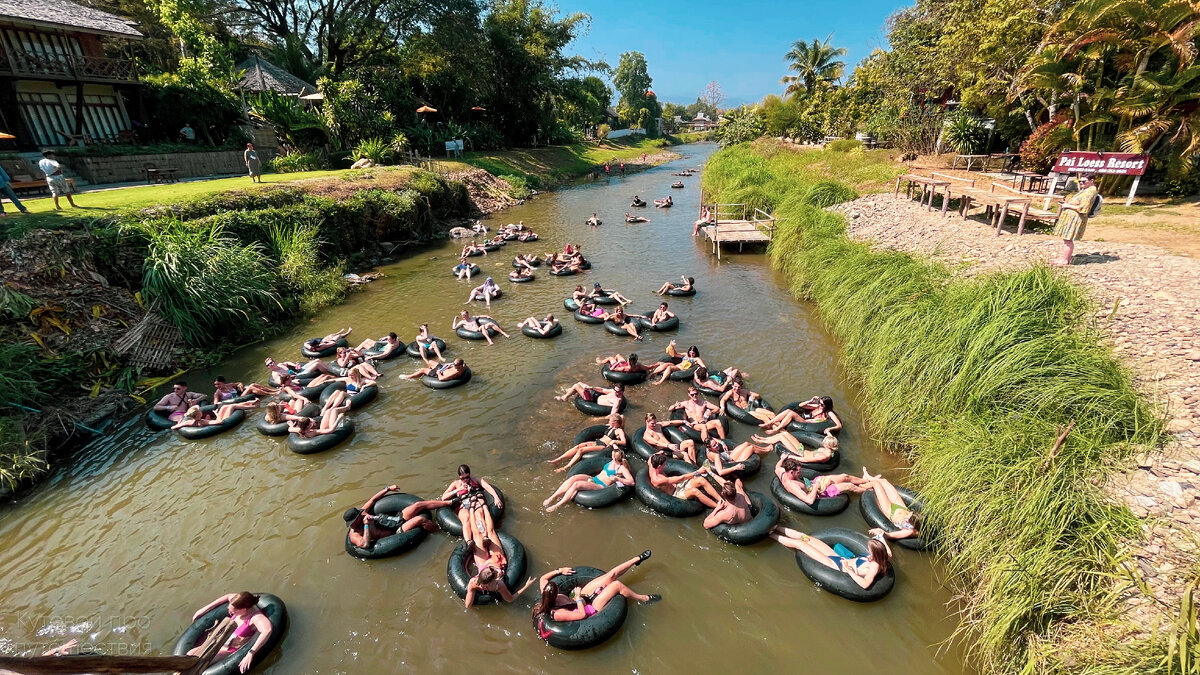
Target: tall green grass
974,380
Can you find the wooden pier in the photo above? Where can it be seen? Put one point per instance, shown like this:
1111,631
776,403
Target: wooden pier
737,224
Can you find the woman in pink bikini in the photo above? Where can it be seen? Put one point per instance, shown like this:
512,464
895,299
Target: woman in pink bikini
586,600
251,625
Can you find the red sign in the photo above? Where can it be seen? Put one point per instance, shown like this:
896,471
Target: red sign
1111,163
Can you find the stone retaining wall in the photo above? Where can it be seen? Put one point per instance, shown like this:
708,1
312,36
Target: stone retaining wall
126,168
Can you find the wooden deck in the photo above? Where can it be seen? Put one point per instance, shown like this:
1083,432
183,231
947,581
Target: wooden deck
737,224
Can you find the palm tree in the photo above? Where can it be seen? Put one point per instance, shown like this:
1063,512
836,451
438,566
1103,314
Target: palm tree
814,65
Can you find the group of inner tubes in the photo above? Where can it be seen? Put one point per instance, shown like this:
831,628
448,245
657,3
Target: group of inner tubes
692,469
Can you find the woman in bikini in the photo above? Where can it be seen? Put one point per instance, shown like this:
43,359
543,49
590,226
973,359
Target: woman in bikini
622,364
473,512
626,322
790,473
815,409
688,284
718,381
277,412
490,565
250,625
725,461
615,471
195,417
863,569
829,445
690,485
676,362
906,521
542,327
307,427
614,437
440,371
654,437
223,391
426,344
601,395
587,600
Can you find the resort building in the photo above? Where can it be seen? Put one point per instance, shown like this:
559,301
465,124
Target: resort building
62,78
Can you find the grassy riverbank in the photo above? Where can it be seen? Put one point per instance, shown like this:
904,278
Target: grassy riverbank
550,165
1009,408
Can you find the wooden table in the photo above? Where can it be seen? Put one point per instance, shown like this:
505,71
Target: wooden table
999,206
928,186
1006,159
1028,181
971,160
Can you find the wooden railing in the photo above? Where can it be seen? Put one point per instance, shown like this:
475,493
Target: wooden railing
68,66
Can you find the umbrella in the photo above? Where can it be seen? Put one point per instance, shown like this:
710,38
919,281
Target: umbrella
6,137
426,109
478,108
313,97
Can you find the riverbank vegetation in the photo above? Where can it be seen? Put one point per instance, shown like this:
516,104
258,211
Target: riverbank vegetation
220,271
999,391
544,167
1034,77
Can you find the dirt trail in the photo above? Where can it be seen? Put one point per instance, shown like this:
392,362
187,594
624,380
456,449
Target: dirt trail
1148,306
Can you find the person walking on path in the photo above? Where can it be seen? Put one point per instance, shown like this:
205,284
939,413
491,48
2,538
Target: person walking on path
57,182
1073,218
253,165
6,188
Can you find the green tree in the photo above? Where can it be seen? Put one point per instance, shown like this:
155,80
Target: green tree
740,125
632,80
815,64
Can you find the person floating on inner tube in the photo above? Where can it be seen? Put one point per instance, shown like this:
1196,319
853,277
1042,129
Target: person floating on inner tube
589,308
279,369
790,473
654,437
664,203
250,625
319,344
490,565
616,471
626,322
907,521
307,427
630,218
542,327
723,461
689,485
527,236
439,371
599,291
702,415
464,269
622,364
277,412
614,437
862,569
718,381
829,445
473,249
600,395
426,344
688,284
676,362
481,323
487,292
815,409
473,512
579,295
175,404
587,600
741,397
638,201
196,417
661,314
366,527
525,261
227,390
594,220
734,506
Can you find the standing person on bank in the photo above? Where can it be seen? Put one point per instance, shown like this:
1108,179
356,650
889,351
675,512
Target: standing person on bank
57,182
253,165
1073,217
6,189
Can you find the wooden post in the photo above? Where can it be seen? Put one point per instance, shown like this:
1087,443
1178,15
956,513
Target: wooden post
99,665
1050,192
1133,190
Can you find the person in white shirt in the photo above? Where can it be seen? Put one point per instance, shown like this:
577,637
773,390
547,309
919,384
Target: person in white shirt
59,187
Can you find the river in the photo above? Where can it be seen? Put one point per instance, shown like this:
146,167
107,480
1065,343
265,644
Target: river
144,528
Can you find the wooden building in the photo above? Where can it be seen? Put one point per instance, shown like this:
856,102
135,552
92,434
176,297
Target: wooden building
62,78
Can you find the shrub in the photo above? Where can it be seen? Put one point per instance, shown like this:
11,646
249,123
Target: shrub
375,149
398,144
518,186
844,145
603,131
660,143
965,134
295,162
1040,150
1183,179
827,193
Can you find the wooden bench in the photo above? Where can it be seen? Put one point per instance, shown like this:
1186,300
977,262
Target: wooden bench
29,183
929,186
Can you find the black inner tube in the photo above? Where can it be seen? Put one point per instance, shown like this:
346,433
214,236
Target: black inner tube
193,636
743,415
821,506
823,467
597,499
414,349
447,518
520,280
209,430
837,581
587,319
395,544
868,505
358,399
328,351
598,409
670,323
667,504
554,331
592,630
622,376
468,334
434,383
280,428
308,446
765,516
458,575
680,293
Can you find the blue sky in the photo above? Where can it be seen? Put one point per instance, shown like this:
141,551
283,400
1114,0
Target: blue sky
739,44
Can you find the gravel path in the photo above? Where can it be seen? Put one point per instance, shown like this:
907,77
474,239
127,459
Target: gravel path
1148,305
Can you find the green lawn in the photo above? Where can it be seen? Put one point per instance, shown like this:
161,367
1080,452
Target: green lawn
104,202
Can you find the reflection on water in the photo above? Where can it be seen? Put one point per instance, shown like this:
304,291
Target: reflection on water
145,528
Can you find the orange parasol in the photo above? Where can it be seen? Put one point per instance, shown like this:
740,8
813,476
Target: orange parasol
426,109
478,108
6,137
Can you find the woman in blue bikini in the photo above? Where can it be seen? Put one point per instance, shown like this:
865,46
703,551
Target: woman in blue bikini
863,569
615,471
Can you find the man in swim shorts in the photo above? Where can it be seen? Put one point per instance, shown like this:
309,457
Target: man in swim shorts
176,403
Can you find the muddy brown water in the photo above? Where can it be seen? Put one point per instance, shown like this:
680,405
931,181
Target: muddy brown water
118,550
